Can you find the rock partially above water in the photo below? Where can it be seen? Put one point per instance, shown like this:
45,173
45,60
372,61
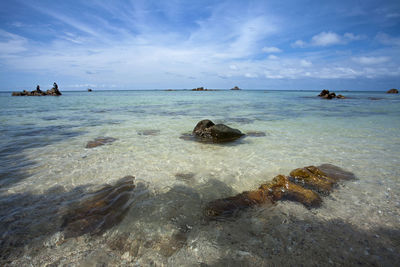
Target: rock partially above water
392,91
206,130
100,141
99,210
303,185
202,89
52,92
235,88
329,95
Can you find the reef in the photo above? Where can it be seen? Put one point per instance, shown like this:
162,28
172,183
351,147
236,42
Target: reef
100,141
100,210
303,185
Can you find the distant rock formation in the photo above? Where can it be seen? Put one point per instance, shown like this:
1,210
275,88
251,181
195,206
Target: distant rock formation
235,88
392,91
208,131
89,90
329,95
202,89
53,92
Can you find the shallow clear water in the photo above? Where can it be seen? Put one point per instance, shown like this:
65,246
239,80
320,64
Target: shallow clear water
44,167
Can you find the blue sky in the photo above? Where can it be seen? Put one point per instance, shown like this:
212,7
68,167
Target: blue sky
339,45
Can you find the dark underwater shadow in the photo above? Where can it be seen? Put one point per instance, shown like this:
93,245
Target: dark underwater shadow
278,239
27,219
13,163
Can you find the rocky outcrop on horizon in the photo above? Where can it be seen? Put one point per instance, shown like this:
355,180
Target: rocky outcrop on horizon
52,92
392,91
329,95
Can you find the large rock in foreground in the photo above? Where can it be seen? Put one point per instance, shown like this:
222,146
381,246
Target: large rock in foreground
392,91
303,185
206,130
99,210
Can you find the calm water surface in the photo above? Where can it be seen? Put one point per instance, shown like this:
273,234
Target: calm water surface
45,169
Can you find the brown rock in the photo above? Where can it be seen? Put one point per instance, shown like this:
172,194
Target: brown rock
99,210
100,141
282,187
392,91
313,178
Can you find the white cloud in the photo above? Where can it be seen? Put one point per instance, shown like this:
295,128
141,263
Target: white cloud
251,75
348,36
273,57
326,39
299,43
305,63
271,49
233,67
371,60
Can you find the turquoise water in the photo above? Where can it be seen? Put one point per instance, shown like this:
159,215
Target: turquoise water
44,166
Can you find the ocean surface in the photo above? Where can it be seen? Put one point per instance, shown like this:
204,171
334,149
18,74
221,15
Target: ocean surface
46,171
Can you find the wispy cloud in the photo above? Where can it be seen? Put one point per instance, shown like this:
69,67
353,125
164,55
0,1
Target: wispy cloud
271,49
371,60
329,39
128,43
387,39
11,44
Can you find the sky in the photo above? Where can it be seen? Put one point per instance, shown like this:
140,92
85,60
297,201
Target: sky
276,45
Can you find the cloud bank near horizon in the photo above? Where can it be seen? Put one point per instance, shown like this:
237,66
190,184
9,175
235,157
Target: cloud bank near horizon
181,44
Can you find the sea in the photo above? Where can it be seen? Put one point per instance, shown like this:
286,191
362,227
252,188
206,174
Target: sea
47,174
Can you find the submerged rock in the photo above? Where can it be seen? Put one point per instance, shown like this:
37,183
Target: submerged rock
392,91
99,210
149,132
256,134
301,187
206,130
100,141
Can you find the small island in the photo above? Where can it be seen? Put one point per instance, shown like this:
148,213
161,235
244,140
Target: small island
329,95
235,88
202,89
53,92
392,91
